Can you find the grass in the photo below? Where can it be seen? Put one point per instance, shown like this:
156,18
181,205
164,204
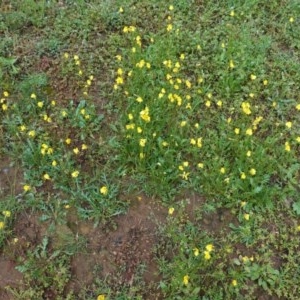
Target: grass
175,101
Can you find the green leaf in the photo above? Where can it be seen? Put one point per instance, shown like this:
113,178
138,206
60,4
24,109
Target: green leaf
296,207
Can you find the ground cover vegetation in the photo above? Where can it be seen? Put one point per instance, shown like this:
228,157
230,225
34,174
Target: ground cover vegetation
149,149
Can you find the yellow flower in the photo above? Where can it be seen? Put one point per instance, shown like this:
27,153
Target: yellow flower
185,164
248,153
246,108
31,133
144,114
249,131
252,77
171,7
33,96
54,163
207,255
186,279
130,126
169,27
193,142
138,40
298,139
252,171
188,84
245,259
182,56
139,99
232,13
53,102
75,174
243,203
104,190
64,113
6,213
26,188
101,297
265,82
68,141
120,11
66,55
291,20
200,165
234,282
139,130
142,155
4,107
143,142
185,175
219,103
46,176
22,128
236,130
199,142
246,217
119,80
76,151
196,251
287,147
76,57
2,224
183,123
207,103
119,57
288,124
5,94
231,64
222,170
243,175
40,104
209,247
298,106
171,210
84,146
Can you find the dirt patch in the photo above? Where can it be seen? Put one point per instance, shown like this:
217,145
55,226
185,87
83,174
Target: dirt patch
214,222
9,277
119,252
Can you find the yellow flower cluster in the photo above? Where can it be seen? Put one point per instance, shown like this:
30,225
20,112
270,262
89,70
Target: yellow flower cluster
127,29
45,149
207,252
196,142
246,108
144,114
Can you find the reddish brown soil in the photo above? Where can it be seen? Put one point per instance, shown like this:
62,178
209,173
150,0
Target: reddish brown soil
117,254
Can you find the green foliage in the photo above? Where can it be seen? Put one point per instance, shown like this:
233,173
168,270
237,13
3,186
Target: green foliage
45,273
